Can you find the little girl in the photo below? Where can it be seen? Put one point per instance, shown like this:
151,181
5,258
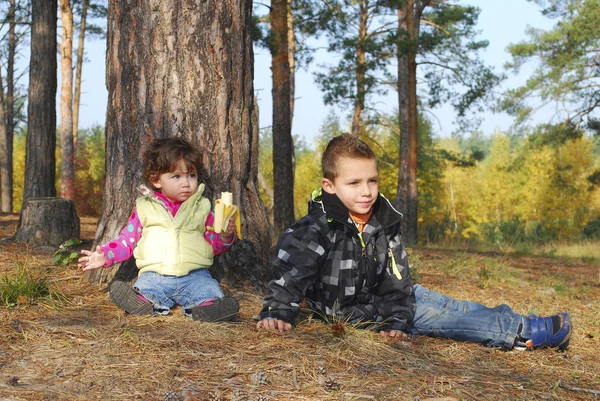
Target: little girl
170,237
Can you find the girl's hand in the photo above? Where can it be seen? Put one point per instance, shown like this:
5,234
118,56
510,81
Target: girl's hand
227,235
92,260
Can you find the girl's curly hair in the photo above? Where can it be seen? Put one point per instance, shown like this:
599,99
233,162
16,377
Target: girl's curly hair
164,154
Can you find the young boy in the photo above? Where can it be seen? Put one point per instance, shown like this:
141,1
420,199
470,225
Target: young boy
169,234
347,260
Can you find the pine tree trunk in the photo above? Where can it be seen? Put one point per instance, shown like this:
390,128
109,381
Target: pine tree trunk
79,72
291,59
40,161
184,68
413,140
401,199
406,198
6,168
359,102
67,169
283,148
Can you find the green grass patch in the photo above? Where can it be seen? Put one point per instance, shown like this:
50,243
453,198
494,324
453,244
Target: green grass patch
26,286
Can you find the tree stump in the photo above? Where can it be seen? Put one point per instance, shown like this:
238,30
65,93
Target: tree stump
47,222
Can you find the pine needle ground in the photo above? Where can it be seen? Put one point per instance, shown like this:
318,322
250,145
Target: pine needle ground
87,349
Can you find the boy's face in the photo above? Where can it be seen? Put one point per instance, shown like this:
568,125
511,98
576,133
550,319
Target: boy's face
356,184
178,185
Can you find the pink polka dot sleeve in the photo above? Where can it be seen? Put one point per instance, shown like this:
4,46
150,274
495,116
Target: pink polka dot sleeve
121,248
214,239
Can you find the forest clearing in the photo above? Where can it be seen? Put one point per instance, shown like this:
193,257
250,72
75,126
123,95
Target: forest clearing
83,347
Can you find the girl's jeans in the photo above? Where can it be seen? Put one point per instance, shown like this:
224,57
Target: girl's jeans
164,292
439,315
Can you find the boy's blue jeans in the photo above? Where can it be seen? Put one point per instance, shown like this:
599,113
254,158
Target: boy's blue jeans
439,315
164,292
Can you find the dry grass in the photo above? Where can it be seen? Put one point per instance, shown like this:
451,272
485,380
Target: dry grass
88,349
588,249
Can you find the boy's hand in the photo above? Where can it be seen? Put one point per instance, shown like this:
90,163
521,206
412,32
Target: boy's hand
274,325
227,235
92,260
393,334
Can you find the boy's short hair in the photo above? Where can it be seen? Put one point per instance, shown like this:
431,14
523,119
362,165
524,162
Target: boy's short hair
164,153
344,145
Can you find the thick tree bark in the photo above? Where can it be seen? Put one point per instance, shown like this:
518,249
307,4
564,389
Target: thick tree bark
48,222
79,71
359,102
283,149
6,166
67,169
40,161
183,68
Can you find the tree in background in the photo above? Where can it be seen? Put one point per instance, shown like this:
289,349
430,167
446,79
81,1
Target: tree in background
41,111
384,140
67,170
406,201
79,70
70,94
87,12
567,72
6,171
440,38
307,171
437,36
358,32
277,32
170,73
17,19
283,170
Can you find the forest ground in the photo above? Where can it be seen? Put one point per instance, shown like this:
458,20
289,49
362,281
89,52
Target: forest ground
85,348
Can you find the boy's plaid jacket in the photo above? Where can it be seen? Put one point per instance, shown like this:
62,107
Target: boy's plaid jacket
359,278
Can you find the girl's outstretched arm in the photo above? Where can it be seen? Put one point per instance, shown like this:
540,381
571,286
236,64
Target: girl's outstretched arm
92,260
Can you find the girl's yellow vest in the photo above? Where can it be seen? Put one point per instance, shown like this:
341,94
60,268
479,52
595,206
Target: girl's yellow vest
173,245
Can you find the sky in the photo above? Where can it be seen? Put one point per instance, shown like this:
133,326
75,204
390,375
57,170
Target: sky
500,22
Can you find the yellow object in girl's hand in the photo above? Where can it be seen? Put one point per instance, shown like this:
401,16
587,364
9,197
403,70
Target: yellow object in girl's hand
224,210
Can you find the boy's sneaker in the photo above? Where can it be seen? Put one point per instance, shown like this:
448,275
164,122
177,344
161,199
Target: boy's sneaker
128,299
216,310
552,331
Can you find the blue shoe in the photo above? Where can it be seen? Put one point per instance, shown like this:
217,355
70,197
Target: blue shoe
552,331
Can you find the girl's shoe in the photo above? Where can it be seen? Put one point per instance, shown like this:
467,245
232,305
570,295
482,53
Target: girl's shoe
216,310
128,299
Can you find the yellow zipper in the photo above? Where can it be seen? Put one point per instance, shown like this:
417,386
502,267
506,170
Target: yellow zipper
394,265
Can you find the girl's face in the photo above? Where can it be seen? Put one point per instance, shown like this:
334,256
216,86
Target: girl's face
178,185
